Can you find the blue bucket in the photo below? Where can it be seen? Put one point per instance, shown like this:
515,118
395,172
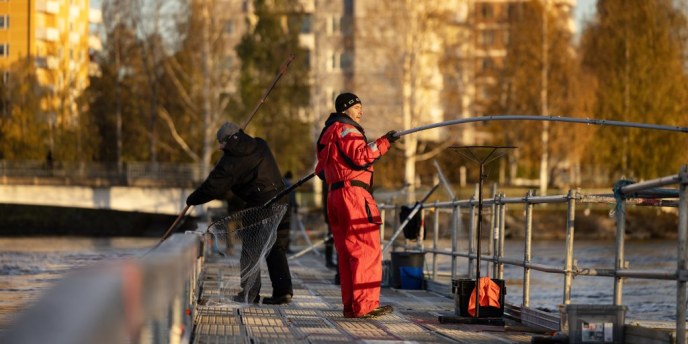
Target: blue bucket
411,277
412,263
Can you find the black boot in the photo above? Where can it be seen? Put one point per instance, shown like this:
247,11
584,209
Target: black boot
277,300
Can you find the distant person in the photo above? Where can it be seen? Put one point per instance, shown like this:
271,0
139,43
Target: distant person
248,168
345,162
293,206
49,159
329,240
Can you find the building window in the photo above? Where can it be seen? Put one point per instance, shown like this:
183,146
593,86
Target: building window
349,7
229,27
335,24
487,64
346,25
513,11
307,59
4,49
486,11
5,21
346,61
334,61
487,38
307,24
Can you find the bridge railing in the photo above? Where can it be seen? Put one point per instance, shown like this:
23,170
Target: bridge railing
645,193
96,173
145,300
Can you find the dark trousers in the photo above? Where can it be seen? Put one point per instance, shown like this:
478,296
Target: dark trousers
276,259
278,267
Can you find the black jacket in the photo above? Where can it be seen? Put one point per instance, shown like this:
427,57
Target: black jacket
247,168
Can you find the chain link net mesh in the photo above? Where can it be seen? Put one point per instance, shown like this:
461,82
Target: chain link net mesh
256,229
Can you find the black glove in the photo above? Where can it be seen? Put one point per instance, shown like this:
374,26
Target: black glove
390,136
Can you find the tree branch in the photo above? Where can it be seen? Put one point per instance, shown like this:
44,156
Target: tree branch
175,135
435,151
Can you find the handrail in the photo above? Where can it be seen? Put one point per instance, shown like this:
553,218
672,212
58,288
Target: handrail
619,271
117,302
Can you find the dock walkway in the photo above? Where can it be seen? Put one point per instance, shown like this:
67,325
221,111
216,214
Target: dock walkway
315,313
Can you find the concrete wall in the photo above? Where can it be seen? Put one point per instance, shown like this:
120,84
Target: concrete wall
149,200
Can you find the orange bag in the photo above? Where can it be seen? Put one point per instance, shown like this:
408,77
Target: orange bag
489,295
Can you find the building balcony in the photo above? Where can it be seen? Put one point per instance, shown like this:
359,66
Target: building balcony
48,34
95,16
307,40
46,62
74,12
48,6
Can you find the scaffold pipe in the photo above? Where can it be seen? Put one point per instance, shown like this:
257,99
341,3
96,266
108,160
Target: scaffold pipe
600,122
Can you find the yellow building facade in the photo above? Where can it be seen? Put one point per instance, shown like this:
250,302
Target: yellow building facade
55,35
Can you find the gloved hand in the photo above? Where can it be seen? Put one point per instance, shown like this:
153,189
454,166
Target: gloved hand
390,136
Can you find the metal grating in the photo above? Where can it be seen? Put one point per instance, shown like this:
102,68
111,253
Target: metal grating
258,311
253,320
363,329
292,312
281,332
218,330
315,314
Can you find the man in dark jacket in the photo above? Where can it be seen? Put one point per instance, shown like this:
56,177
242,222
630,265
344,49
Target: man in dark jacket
249,170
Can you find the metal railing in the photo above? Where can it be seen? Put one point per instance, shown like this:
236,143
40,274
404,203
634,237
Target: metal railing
644,193
146,300
100,174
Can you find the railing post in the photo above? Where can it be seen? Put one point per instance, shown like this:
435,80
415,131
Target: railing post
502,229
619,263
570,232
471,236
681,258
454,237
527,250
383,211
435,235
421,235
491,247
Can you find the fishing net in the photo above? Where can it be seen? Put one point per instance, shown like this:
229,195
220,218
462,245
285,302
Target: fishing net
255,228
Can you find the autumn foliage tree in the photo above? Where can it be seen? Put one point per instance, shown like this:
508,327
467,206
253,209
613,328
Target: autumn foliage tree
636,49
519,90
281,120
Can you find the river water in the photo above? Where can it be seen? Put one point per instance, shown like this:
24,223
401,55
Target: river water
646,299
30,265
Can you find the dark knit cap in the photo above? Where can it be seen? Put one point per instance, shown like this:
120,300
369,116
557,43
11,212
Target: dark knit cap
345,101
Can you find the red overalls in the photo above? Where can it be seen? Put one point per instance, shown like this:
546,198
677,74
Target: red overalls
346,162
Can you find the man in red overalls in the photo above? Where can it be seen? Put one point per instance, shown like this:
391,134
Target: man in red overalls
345,160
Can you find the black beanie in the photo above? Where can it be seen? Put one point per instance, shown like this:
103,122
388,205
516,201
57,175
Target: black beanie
345,101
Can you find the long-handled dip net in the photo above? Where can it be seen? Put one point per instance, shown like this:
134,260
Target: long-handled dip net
256,229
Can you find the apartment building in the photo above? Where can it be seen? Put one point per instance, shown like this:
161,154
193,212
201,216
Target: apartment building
410,69
55,34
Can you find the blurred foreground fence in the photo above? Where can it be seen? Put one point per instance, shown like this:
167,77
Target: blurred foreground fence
145,300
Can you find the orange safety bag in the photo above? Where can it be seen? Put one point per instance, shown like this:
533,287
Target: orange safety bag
489,295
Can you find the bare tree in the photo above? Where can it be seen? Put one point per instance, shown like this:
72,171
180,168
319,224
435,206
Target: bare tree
401,46
540,76
200,78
